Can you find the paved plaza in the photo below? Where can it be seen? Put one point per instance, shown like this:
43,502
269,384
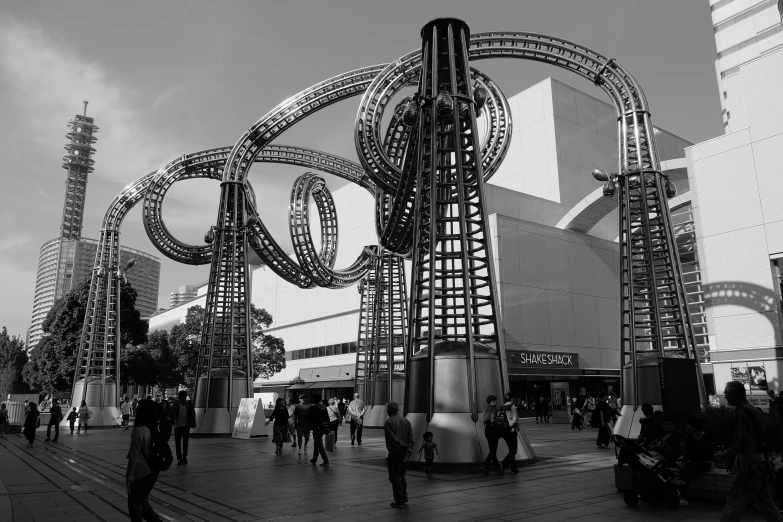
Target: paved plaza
81,478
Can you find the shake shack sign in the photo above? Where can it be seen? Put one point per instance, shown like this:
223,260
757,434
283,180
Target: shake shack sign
542,360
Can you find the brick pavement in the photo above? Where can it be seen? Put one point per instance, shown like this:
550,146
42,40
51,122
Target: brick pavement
81,478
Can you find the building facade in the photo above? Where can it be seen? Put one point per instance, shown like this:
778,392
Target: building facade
744,30
738,186
64,262
183,295
555,251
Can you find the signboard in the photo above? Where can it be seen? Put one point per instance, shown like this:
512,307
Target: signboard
542,360
740,374
759,401
758,377
246,414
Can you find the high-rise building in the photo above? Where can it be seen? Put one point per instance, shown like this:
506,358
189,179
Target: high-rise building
744,30
737,188
184,294
66,261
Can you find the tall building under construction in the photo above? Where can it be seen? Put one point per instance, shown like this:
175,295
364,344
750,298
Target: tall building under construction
67,260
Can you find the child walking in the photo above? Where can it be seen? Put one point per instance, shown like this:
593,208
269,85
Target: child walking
430,449
72,418
31,423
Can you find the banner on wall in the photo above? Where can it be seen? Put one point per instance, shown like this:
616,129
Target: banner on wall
758,377
740,374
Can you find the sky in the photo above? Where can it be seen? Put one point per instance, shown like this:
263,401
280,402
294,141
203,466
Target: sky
175,77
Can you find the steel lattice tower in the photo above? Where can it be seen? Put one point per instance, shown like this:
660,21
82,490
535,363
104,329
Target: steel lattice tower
456,353
224,363
380,354
78,163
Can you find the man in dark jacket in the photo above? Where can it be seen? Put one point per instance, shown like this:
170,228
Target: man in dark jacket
184,416
752,475
398,433
342,409
317,416
55,416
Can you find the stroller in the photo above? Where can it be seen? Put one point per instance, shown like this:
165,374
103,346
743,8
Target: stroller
639,472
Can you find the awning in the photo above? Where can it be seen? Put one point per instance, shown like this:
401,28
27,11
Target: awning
318,385
299,386
345,383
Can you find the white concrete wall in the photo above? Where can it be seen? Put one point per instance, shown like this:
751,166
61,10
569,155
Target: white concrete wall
737,203
559,291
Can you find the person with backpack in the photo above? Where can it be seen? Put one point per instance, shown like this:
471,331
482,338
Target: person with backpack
143,463
318,420
491,433
751,471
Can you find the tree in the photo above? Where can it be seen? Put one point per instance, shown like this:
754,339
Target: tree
268,351
159,347
138,366
184,340
52,362
13,357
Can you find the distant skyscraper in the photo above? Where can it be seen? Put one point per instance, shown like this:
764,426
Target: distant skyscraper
185,293
78,163
68,260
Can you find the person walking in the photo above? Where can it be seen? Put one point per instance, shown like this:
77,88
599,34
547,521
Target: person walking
72,418
301,413
84,417
31,423
398,433
55,416
602,415
290,407
125,410
539,409
184,418
334,417
752,474
509,435
165,419
280,427
3,420
342,408
546,409
491,434
134,405
139,477
356,411
318,420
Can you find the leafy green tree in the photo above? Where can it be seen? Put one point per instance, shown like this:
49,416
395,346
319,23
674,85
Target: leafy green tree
184,340
138,366
52,363
268,351
13,357
159,347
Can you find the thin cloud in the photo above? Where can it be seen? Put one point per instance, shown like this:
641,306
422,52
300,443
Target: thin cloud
48,81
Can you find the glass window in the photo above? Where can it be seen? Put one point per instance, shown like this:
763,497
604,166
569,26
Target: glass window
321,351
